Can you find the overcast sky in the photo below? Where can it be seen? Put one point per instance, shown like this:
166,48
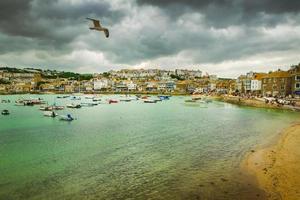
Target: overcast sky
223,37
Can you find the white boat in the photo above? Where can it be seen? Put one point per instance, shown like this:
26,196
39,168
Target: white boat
73,105
96,99
87,104
50,114
67,117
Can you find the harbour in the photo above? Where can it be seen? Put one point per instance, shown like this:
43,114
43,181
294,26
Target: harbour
137,150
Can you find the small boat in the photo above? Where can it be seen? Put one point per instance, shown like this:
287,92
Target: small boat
144,97
150,101
196,98
112,101
67,117
96,99
190,101
62,97
163,97
37,101
5,101
5,112
58,107
73,105
46,108
28,103
87,104
125,100
75,98
50,114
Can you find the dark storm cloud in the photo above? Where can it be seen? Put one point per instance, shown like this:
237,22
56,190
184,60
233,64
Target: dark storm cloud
207,31
221,13
268,6
53,23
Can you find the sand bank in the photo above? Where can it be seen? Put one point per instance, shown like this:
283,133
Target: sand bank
277,168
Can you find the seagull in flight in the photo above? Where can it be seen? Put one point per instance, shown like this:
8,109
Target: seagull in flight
98,27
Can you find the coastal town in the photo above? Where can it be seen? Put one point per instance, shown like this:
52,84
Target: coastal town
278,83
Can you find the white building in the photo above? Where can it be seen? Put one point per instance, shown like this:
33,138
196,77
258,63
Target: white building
131,86
255,85
101,84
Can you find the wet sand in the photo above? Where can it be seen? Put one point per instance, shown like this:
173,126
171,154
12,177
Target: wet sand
277,168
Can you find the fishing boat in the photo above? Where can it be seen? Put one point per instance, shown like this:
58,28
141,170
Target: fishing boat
112,101
67,117
5,112
50,114
72,105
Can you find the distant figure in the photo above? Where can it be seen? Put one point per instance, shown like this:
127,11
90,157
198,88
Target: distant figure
98,27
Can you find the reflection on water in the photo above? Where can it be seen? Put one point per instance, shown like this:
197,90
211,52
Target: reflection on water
132,150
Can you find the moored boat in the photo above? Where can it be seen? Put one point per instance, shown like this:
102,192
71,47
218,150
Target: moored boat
72,105
163,97
150,101
5,112
75,98
87,104
50,114
112,101
67,117
190,101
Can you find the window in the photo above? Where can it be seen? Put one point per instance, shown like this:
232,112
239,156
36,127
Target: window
297,85
297,78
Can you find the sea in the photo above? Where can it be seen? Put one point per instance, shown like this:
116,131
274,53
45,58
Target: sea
132,150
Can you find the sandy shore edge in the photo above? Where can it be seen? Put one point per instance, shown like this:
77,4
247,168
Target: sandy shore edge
277,167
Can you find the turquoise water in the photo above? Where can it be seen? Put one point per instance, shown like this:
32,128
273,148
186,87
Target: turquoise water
132,150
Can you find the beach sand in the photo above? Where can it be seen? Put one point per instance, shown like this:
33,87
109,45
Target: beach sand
277,168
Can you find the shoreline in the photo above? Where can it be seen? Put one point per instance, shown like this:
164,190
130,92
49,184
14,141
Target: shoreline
253,103
277,166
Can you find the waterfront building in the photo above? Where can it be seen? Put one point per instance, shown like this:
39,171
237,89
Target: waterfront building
131,86
151,86
295,80
102,84
276,84
256,83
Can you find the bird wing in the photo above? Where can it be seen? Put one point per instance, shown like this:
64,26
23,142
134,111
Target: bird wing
96,22
106,32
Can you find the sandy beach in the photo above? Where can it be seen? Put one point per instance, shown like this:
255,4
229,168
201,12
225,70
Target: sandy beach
277,168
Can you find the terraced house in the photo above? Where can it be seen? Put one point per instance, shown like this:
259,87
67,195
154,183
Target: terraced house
295,76
277,84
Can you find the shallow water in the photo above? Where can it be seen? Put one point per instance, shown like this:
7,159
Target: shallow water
132,150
